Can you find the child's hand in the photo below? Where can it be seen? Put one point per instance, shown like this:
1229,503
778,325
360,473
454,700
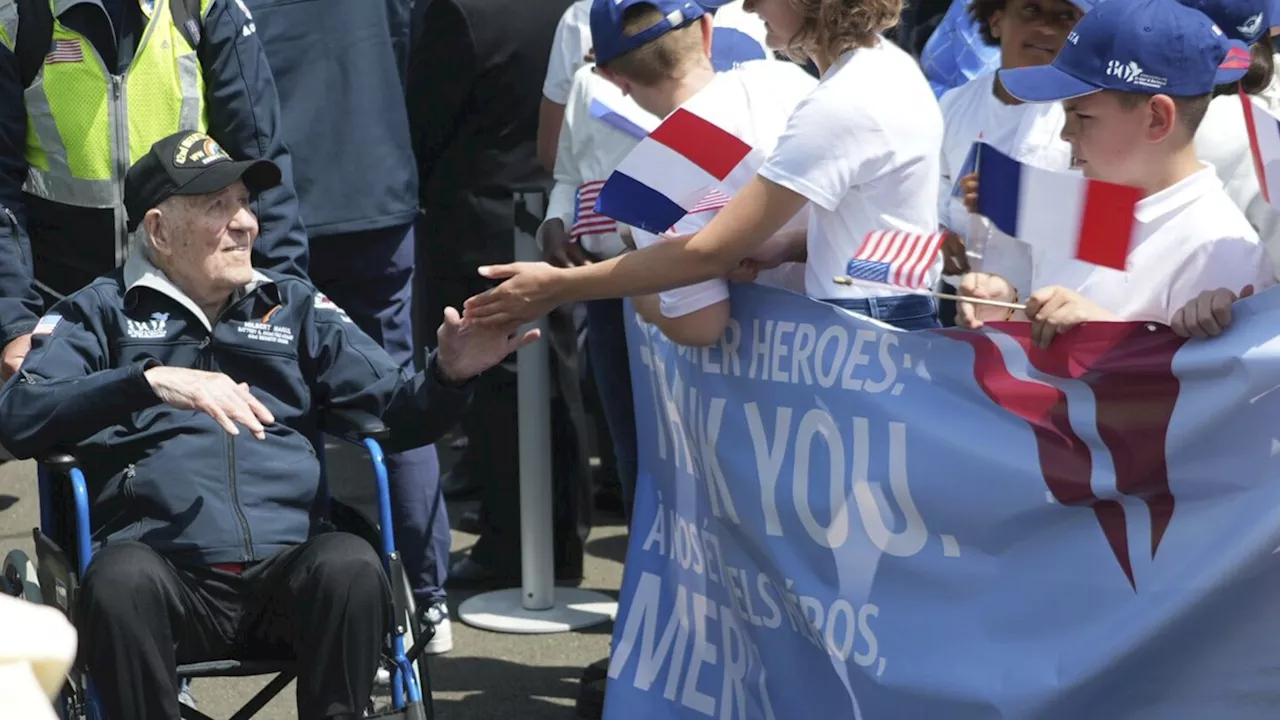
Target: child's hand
987,287
1055,310
954,259
746,272
1209,314
969,192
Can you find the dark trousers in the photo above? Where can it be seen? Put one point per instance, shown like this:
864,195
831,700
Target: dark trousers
611,370
492,426
370,275
324,605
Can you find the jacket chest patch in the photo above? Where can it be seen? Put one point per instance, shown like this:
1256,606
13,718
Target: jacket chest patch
152,329
266,332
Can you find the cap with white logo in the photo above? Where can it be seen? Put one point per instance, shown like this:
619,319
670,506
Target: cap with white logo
1243,20
1140,46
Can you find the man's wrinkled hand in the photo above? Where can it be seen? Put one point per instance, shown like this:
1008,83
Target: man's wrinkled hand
464,355
1208,314
528,293
14,353
559,249
212,393
986,287
1056,309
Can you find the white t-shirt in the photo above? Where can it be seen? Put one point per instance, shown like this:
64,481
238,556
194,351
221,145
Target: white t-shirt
1029,133
1191,238
589,150
569,49
754,103
1223,142
863,148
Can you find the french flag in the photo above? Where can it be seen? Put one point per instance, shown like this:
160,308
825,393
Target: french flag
673,170
1264,142
1057,209
635,124
901,259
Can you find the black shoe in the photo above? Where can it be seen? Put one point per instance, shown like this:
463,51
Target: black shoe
590,705
468,522
467,574
458,485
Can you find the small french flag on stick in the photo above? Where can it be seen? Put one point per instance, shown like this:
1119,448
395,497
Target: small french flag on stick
901,259
673,170
1264,141
1056,209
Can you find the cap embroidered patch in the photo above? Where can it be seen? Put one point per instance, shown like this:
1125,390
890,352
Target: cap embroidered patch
197,150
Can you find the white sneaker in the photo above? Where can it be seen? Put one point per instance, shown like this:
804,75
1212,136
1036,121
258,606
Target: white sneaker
438,616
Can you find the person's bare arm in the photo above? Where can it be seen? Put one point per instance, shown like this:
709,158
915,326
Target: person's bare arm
697,329
550,117
754,215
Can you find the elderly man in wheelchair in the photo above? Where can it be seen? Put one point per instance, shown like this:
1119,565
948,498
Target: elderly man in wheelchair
189,386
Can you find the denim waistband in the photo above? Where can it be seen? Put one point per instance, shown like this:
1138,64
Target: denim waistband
911,312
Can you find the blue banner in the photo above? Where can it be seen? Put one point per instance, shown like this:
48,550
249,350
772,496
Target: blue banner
836,519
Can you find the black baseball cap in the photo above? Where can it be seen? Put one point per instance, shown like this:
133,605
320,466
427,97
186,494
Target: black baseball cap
189,163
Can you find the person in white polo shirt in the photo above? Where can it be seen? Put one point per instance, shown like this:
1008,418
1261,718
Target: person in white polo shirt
1191,237
862,147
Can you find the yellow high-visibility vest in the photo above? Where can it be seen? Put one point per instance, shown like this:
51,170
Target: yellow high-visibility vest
86,125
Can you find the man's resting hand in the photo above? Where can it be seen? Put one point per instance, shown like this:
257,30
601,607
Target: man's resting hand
212,393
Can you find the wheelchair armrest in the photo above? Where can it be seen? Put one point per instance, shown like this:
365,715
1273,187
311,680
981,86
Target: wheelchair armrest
353,424
59,461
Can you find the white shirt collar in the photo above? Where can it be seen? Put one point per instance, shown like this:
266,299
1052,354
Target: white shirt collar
140,272
1179,195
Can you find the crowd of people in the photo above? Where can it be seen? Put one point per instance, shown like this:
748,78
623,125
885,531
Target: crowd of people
230,214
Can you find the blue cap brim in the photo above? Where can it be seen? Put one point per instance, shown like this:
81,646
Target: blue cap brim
1235,65
1043,83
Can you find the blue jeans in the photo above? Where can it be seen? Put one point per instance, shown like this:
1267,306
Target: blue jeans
905,312
370,276
611,370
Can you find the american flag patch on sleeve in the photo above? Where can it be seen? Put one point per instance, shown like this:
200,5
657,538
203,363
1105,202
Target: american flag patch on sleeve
64,51
47,324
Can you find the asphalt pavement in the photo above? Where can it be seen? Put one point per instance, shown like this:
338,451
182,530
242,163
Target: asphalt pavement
487,675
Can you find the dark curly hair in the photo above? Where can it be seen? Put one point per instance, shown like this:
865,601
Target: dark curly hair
981,12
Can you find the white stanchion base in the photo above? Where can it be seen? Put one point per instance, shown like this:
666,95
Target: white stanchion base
502,611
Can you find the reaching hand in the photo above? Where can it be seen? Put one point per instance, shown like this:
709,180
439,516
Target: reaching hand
212,393
1055,310
559,249
1208,314
463,355
954,259
987,287
746,272
14,353
528,293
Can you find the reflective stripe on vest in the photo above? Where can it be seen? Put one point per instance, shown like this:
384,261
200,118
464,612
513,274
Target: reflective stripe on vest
87,126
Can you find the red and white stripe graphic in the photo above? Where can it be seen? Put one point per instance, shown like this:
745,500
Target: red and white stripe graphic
909,256
713,202
64,51
586,220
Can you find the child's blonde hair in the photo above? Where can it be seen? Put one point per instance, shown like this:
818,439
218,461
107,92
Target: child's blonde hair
667,56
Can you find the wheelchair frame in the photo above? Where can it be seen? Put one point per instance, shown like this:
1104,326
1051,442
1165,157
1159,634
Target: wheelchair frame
59,584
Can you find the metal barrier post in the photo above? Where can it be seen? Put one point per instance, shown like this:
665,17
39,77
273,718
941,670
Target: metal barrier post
538,607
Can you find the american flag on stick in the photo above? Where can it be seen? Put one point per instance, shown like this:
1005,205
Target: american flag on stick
901,259
64,51
586,221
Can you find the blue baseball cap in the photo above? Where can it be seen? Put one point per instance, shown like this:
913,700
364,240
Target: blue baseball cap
608,38
1243,20
1142,46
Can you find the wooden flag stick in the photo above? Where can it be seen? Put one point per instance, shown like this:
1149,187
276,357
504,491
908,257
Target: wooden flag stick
846,280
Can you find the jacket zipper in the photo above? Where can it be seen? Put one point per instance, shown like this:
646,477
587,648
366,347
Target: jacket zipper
206,362
15,229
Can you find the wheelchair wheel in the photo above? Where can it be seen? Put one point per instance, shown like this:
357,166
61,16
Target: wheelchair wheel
19,577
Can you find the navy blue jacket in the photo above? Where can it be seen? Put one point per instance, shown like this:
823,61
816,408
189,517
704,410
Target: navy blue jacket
174,479
77,243
339,66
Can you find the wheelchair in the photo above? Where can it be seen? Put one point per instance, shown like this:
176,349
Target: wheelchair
63,554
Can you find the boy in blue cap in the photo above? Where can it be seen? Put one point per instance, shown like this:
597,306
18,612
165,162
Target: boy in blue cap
1135,79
